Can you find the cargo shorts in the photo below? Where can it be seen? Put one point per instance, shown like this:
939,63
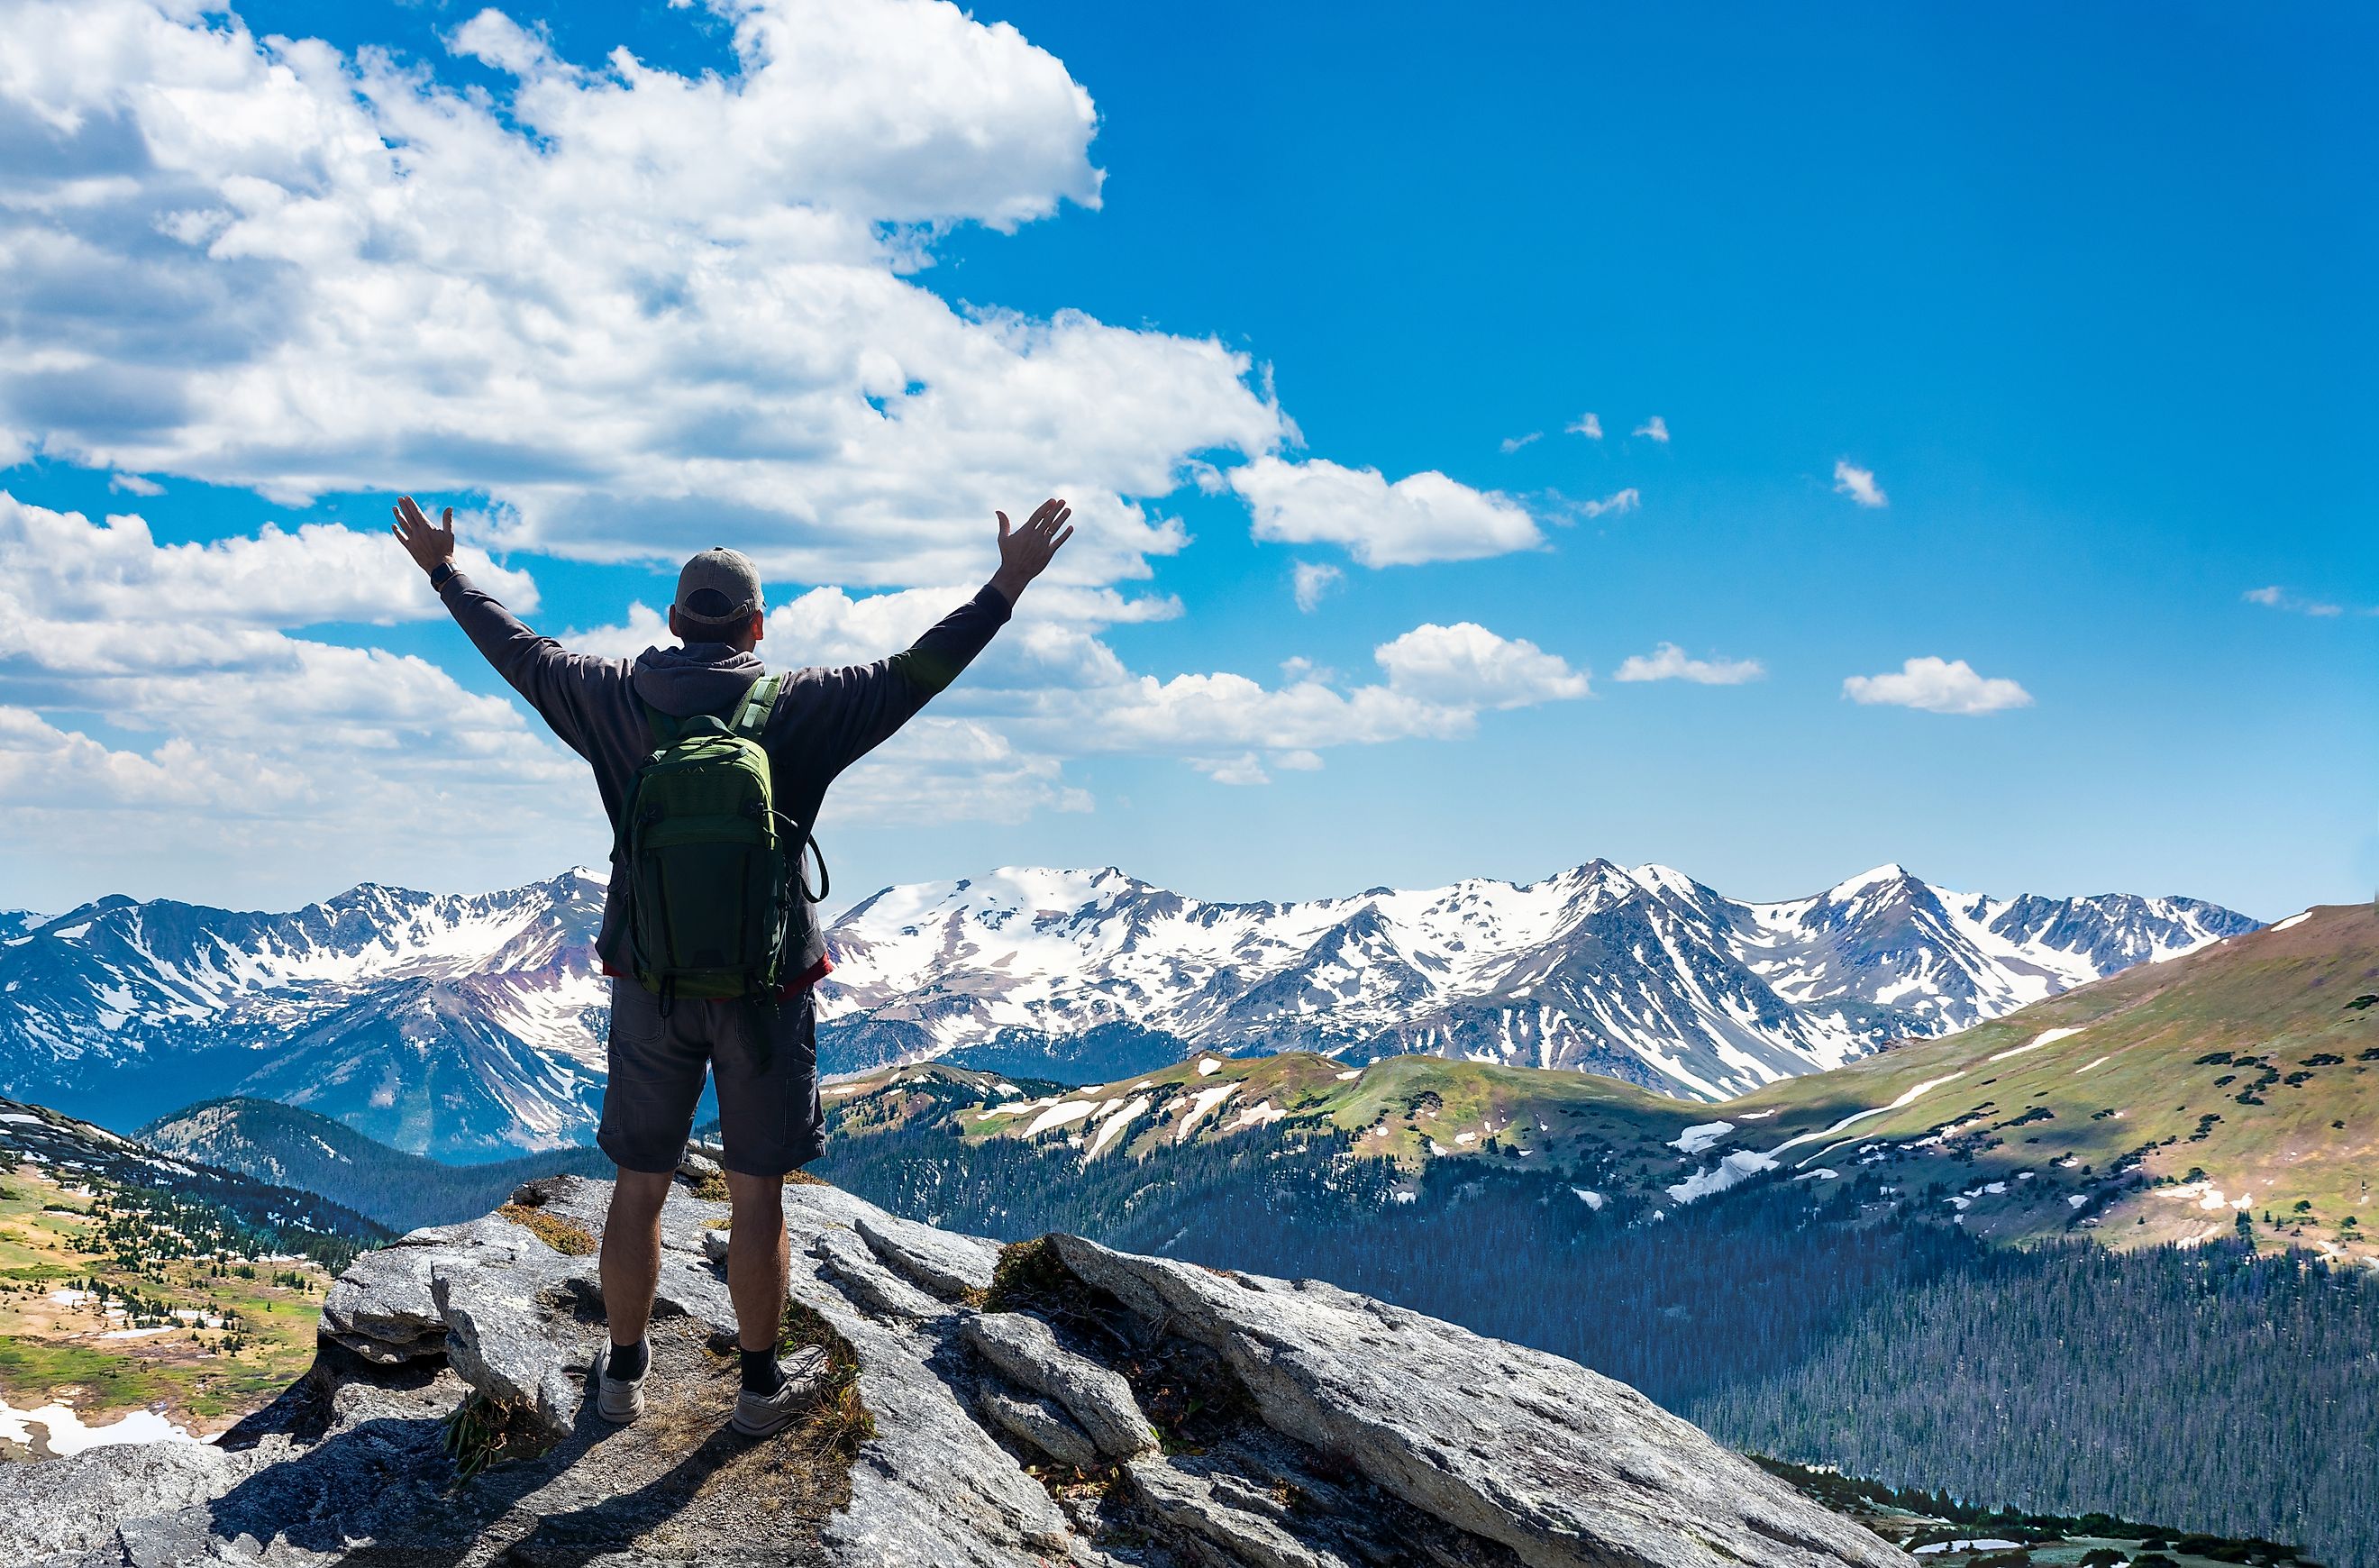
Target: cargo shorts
763,1057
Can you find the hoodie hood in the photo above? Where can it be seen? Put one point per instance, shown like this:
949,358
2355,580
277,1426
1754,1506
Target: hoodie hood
703,678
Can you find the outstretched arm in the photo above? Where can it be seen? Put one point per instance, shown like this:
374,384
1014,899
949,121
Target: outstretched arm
555,682
844,714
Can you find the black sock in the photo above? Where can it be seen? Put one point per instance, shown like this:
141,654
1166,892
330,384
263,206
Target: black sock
629,1361
761,1373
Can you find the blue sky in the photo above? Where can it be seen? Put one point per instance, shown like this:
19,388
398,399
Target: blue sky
2075,293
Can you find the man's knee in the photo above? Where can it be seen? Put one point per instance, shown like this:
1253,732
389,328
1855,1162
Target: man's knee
637,1197
754,1199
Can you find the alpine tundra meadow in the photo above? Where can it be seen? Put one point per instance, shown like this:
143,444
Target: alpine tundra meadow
857,782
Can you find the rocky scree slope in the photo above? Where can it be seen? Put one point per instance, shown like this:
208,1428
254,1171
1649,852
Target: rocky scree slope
1054,1403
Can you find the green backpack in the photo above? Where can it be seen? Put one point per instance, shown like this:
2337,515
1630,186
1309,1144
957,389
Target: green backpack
714,869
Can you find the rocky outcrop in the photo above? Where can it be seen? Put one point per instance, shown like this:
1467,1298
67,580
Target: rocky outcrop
1071,1405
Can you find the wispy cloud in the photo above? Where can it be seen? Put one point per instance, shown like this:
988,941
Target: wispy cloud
1616,501
1655,428
1858,484
1513,443
1241,769
1314,579
1588,425
133,484
1938,685
1668,662
2276,598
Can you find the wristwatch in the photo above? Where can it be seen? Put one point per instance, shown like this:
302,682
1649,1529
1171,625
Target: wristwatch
439,573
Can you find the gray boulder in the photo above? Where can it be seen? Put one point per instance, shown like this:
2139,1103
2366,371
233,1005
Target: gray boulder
1025,1351
1567,1468
1039,1424
943,1262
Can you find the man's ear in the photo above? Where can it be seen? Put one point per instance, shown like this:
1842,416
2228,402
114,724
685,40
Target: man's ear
672,624
759,627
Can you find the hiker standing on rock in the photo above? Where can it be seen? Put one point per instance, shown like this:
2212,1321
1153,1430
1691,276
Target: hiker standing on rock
712,772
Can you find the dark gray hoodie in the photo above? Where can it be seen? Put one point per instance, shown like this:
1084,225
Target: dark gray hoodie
824,721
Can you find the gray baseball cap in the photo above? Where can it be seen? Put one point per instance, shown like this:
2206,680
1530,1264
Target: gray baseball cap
720,585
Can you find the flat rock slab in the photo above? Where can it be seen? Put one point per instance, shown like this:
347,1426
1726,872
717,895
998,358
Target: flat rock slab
1567,1468
1026,1351
942,1261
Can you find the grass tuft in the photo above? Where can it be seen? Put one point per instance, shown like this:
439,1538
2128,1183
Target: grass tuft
564,1235
840,1422
481,1432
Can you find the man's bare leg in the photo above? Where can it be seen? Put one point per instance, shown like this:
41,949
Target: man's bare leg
759,1260
632,1254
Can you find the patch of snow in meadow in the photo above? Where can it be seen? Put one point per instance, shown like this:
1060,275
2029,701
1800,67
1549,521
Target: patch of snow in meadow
2294,919
68,1436
1697,1138
1589,1197
1208,1067
1122,1117
2087,1066
1204,1101
1728,1171
1966,1546
1059,1114
1350,1072
2046,1037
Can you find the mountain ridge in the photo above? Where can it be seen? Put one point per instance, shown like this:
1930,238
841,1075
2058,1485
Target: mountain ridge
471,1026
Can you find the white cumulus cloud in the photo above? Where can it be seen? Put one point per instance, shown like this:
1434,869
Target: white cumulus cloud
1587,424
1467,665
1858,484
1421,517
1655,428
1669,663
1938,685
638,311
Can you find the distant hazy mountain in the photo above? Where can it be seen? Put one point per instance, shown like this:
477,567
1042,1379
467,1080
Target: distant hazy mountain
208,1207
472,1026
291,1147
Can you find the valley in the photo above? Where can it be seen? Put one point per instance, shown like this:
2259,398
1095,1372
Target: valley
143,1299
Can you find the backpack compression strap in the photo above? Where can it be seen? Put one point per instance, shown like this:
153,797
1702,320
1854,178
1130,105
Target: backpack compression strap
759,702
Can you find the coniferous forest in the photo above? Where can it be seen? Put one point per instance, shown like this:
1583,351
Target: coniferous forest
2208,1389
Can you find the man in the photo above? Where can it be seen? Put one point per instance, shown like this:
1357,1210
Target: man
761,1053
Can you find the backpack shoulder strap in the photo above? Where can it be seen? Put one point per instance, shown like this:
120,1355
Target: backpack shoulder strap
664,729
752,714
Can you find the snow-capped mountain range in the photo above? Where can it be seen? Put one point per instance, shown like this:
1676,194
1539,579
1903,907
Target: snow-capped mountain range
472,1026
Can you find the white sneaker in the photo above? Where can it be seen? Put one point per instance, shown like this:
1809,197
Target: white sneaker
766,1415
618,1400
